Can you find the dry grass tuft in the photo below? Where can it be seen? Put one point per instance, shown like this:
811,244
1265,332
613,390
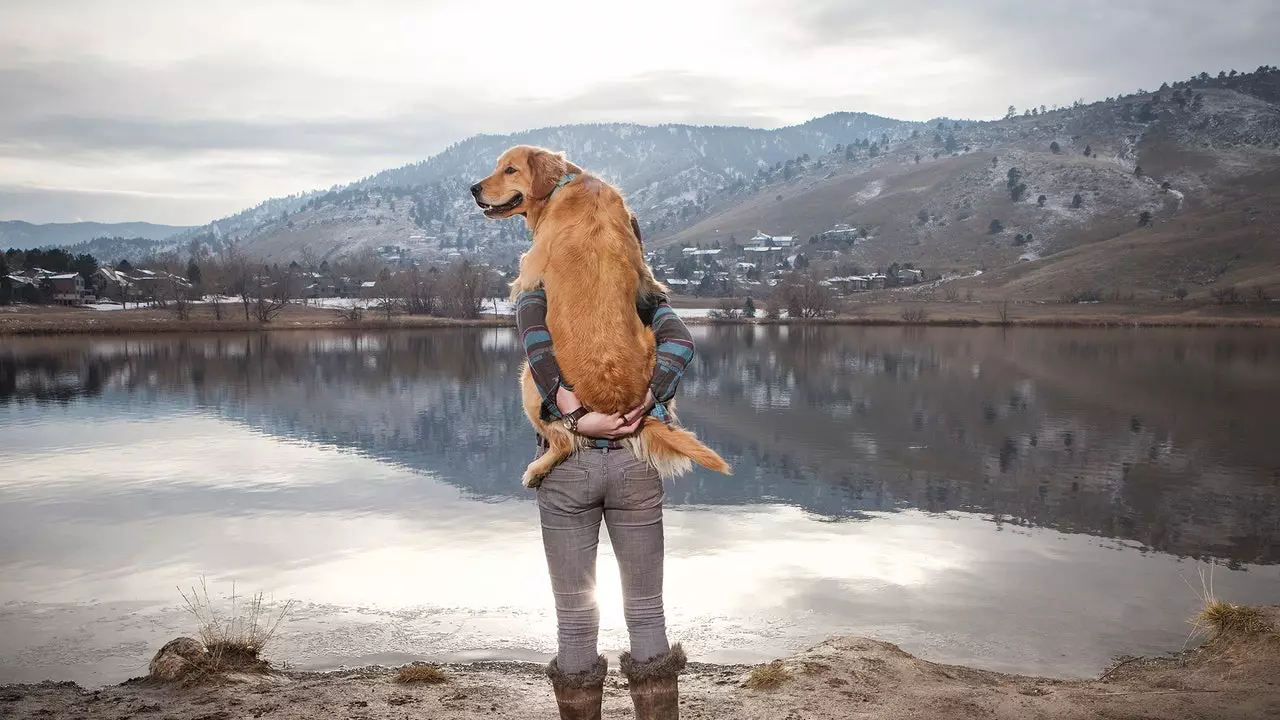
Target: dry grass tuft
421,673
767,677
1222,619
1225,619
234,640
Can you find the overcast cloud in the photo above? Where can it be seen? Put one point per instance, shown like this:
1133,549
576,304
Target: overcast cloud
181,112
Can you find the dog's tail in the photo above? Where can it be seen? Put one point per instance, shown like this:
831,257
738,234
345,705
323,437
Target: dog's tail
673,450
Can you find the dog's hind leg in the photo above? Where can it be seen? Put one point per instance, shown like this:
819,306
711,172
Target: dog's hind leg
561,443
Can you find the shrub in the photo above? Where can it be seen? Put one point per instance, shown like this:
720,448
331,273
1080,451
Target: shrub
767,677
996,227
915,316
234,640
421,673
1080,296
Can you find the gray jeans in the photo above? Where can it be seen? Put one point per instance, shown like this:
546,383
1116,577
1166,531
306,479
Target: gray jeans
627,494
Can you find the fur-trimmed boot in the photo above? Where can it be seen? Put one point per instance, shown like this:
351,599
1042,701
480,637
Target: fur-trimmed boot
579,695
655,684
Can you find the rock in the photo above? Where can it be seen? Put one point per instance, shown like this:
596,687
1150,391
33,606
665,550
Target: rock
177,658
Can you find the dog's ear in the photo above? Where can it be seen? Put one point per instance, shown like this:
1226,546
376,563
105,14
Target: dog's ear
635,228
546,167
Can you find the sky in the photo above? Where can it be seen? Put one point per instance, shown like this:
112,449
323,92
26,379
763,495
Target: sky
181,112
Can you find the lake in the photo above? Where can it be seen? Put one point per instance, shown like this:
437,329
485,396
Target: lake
1025,500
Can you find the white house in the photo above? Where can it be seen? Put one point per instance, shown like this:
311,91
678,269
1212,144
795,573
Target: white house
762,240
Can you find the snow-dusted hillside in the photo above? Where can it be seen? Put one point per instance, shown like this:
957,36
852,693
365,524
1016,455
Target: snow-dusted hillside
668,172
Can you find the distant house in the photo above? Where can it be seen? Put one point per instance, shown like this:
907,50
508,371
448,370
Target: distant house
23,289
876,281
136,286
849,283
68,288
762,240
910,276
840,231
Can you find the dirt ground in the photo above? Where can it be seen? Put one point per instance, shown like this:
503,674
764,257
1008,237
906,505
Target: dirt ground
45,320
841,678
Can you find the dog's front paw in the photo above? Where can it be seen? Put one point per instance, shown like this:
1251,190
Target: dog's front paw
531,480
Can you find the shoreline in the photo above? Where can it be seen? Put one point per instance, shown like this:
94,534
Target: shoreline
1230,676
49,321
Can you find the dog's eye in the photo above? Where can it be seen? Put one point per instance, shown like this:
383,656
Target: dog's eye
510,171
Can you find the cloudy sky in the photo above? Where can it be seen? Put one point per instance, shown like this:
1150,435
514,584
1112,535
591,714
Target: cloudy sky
179,112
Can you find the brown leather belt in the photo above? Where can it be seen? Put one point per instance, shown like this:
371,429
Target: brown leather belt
595,444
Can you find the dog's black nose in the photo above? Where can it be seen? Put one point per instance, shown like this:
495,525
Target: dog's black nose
475,189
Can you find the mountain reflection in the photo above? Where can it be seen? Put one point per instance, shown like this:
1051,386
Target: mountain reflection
1157,437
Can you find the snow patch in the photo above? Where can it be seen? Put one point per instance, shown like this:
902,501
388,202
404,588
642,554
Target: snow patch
872,190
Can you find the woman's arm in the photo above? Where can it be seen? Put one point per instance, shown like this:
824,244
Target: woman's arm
531,322
675,351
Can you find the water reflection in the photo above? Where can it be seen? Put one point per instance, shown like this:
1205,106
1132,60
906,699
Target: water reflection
975,496
1157,437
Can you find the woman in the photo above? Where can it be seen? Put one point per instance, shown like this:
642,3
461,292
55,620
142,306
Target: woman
606,482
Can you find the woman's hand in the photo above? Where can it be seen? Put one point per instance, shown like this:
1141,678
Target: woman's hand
636,414
609,427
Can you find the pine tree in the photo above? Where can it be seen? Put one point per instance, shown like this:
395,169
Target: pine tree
749,308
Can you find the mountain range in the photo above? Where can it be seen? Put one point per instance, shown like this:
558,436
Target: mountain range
25,235
1149,193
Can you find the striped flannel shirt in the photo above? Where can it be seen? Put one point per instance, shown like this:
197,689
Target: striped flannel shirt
674,351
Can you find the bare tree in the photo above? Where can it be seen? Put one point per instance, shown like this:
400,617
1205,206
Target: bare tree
238,274
951,294
804,295
915,315
353,314
421,292
213,278
464,289
388,292
308,258
1002,311
270,294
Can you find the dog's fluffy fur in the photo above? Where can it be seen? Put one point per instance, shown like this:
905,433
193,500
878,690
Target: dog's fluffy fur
586,253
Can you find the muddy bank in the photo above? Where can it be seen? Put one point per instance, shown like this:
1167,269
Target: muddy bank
1228,677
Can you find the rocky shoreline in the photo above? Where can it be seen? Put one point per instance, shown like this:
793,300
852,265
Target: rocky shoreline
1234,675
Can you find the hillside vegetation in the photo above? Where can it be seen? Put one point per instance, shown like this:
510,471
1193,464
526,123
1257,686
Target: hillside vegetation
1159,194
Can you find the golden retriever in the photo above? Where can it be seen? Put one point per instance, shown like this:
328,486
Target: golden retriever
586,253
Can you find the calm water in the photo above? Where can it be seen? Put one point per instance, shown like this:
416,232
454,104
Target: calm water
1034,501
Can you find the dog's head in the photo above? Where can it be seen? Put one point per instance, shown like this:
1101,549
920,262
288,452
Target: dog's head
525,177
